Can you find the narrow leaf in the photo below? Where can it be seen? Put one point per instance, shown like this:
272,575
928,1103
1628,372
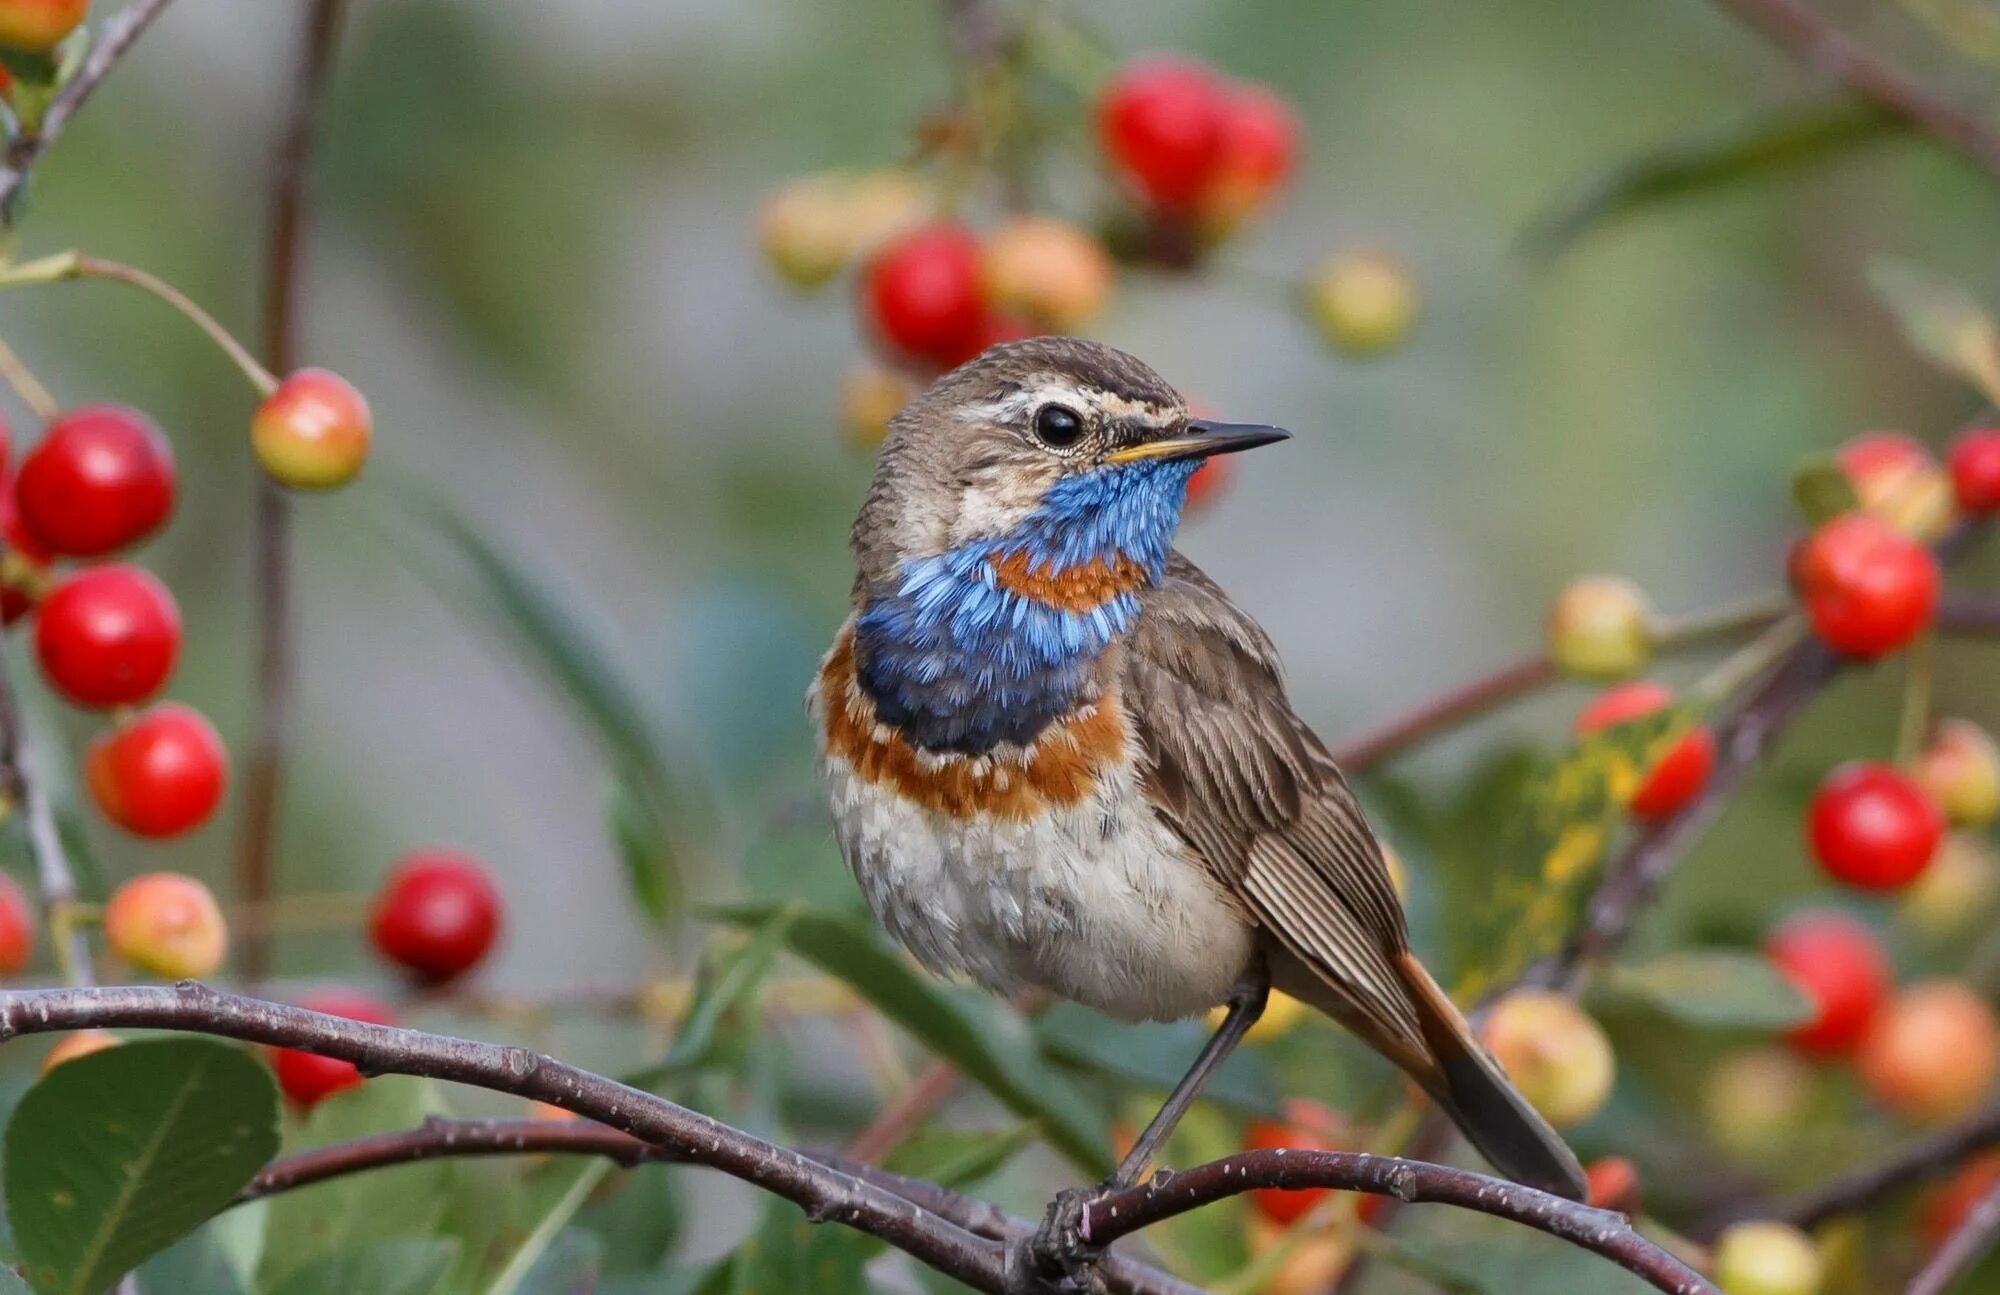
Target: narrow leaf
996,1051
557,1201
117,1155
1943,322
1768,145
639,835
413,1267
1712,988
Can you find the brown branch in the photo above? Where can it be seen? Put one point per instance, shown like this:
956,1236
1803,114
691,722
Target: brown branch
1966,1246
900,1118
1970,615
56,881
113,40
1398,734
1601,1232
1815,43
1931,1157
270,580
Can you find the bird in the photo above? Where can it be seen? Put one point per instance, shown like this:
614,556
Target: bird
1059,758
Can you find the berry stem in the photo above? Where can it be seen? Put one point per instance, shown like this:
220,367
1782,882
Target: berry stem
1755,658
1729,621
1918,673
91,267
25,385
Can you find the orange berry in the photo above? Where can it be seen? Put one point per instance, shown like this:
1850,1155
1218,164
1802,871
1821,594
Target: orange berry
1047,269
80,1043
869,397
313,432
1932,1054
38,26
167,924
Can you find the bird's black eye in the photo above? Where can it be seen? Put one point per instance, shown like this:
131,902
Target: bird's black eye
1058,426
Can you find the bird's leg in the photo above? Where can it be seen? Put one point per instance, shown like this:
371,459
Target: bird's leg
1058,1252
1245,1007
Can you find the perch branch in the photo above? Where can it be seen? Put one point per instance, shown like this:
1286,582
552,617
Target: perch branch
113,40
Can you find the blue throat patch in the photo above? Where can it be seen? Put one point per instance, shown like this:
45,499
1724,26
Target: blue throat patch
959,663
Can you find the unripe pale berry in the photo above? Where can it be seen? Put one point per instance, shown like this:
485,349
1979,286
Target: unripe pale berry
17,928
1932,1053
1955,892
437,915
159,774
1975,470
1960,769
1836,963
78,1043
1897,479
1867,588
1161,122
307,1078
108,636
1363,302
313,432
1600,628
1676,777
1048,270
38,26
815,226
1756,1100
167,924
1870,826
1555,1054
101,479
1766,1258
869,397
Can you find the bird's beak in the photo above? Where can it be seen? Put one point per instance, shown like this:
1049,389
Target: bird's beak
1198,439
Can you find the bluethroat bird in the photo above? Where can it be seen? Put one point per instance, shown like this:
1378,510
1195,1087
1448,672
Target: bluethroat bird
1060,758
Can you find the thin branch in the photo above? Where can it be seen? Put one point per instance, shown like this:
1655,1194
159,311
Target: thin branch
1966,1246
113,40
896,1121
271,592
1932,1157
54,877
1970,615
1398,734
92,267
28,387
1601,1232
1822,48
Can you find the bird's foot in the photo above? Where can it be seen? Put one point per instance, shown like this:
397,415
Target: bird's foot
1057,1258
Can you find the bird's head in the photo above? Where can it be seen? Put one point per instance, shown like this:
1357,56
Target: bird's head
1064,450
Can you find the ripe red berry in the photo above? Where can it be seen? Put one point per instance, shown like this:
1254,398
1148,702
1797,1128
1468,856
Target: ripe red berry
1161,122
307,1078
1208,482
24,561
108,636
1679,775
1613,1183
103,478
1835,962
160,774
1867,588
17,928
1260,144
313,432
1975,469
437,914
1872,827
924,298
1307,1126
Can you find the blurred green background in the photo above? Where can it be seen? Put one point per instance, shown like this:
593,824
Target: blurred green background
533,247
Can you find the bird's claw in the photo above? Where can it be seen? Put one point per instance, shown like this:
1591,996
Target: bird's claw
1057,1258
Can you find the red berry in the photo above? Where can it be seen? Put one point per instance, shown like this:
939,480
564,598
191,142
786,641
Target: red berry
1260,144
924,298
307,1078
17,928
1867,588
1679,775
1975,469
1162,123
160,774
1872,827
313,432
108,636
437,914
101,479
24,560
1307,1126
1208,481
1835,962
1614,1184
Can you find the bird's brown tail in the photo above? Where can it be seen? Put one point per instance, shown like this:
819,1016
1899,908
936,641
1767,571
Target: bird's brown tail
1471,1089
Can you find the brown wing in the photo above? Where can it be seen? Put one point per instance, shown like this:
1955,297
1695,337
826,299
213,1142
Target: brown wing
1246,784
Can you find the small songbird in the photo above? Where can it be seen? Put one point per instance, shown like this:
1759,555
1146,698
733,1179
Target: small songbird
1060,758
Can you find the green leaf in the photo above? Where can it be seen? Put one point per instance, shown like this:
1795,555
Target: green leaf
401,1203
1943,322
1713,988
729,980
1770,144
994,1049
1156,1056
557,1198
1550,860
787,1252
638,834
573,1265
1822,489
413,1267
117,1155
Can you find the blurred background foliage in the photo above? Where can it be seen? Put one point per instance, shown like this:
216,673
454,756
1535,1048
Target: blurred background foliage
533,247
